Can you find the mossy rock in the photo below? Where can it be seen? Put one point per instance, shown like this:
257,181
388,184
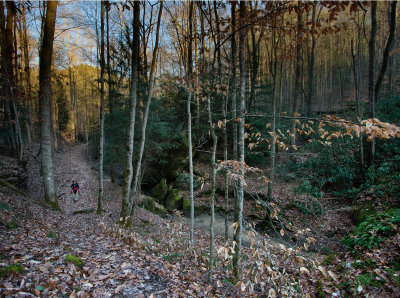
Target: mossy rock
15,268
173,201
75,260
151,205
159,192
363,211
186,205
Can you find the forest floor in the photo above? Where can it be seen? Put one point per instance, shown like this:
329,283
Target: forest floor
154,259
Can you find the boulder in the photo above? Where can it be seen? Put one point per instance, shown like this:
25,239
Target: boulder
159,192
151,205
173,201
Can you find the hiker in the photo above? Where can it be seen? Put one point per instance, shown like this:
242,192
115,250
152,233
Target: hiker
75,189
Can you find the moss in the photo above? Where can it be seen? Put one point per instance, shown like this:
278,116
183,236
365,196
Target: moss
52,234
15,268
173,200
159,192
75,260
84,211
328,260
12,225
53,205
151,205
186,205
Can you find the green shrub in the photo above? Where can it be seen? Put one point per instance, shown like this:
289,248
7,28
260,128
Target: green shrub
370,279
372,231
334,168
306,188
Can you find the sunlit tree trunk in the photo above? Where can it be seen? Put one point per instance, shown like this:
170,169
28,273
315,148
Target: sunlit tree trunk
128,173
44,99
101,145
239,205
146,115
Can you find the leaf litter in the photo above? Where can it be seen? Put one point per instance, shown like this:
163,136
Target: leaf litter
153,259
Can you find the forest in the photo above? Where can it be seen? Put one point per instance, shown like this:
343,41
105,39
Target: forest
199,148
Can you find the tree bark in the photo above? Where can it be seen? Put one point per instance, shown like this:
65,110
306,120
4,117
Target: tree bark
297,84
128,173
109,83
189,100
146,115
239,205
234,82
388,47
371,74
311,64
44,99
101,145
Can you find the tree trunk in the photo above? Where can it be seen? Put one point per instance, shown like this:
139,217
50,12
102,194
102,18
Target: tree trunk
190,87
44,99
297,86
234,83
311,64
27,72
146,115
128,173
388,47
213,177
371,74
239,205
357,89
101,145
109,83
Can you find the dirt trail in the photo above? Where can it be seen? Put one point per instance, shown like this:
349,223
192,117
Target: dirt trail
111,268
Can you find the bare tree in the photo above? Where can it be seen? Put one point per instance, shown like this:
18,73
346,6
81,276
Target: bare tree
44,99
128,173
101,145
239,205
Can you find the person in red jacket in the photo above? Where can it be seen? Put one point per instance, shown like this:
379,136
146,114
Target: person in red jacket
75,190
